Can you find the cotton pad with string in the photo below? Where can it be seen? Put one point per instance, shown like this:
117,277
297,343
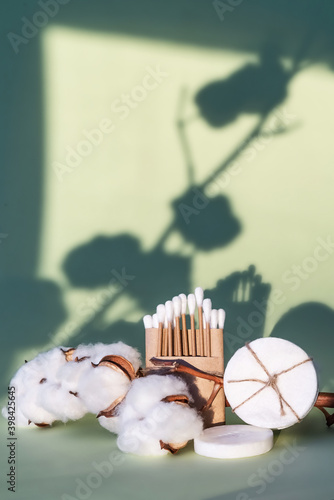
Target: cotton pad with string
271,383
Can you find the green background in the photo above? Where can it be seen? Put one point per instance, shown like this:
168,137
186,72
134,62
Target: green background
219,176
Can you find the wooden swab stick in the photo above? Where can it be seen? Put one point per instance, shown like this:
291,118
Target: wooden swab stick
177,333
207,305
191,309
185,344
169,317
162,339
199,299
165,332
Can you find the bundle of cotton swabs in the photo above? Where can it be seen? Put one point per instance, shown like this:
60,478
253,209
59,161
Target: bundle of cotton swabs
174,338
152,415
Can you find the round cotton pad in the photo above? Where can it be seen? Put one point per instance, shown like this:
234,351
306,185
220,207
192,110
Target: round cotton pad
234,441
271,383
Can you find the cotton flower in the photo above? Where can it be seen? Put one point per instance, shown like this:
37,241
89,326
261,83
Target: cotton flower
65,383
104,381
29,386
155,417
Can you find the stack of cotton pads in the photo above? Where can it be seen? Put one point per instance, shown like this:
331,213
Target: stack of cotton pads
234,441
270,383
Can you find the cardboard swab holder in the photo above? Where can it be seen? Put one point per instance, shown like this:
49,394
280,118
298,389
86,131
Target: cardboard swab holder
200,388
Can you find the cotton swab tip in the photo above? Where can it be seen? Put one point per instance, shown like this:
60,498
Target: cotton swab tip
155,321
148,322
161,312
221,318
177,306
169,311
207,306
183,298
199,294
191,303
214,318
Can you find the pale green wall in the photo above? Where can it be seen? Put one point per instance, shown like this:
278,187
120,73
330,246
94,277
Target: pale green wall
270,205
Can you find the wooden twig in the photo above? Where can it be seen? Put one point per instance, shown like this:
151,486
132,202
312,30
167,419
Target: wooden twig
324,399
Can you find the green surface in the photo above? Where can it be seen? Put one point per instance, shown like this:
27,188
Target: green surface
255,92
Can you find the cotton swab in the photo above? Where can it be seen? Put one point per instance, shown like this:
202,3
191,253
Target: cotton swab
169,317
162,340
148,321
185,348
191,309
207,306
199,294
155,321
214,319
221,318
177,335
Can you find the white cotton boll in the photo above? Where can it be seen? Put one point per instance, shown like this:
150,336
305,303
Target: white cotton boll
146,392
98,351
83,350
28,388
48,363
181,423
136,438
111,423
71,373
93,352
143,419
100,386
20,419
169,422
31,409
52,400
23,378
61,403
44,365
